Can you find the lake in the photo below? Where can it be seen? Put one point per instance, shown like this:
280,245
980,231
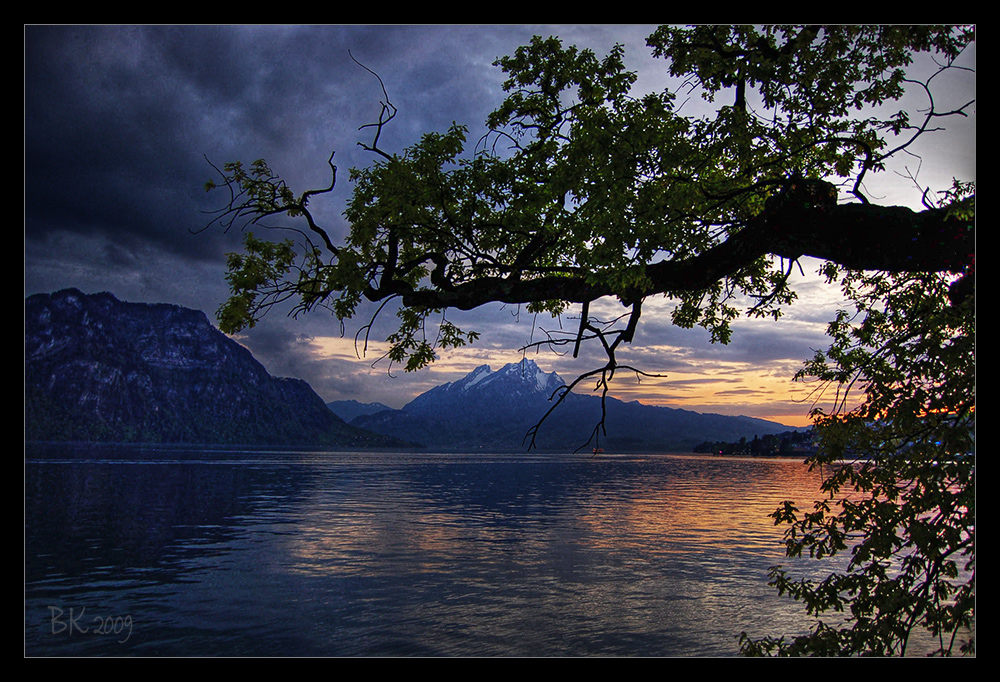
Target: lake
178,552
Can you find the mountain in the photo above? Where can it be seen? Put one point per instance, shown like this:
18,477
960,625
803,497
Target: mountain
487,410
99,369
350,409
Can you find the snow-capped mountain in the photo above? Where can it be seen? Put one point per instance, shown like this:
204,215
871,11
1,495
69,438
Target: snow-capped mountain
487,410
510,387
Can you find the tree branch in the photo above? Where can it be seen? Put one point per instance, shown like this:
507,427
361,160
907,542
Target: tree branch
856,236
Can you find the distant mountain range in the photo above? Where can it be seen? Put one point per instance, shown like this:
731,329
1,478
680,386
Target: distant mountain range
99,369
351,409
489,410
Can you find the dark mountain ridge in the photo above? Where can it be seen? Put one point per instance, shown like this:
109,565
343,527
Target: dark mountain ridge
100,369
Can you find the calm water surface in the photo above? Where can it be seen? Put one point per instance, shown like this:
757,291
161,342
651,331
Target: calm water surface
133,552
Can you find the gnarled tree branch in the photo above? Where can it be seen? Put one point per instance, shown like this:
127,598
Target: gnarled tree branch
856,236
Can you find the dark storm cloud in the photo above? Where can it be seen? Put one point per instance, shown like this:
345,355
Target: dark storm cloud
119,120
108,137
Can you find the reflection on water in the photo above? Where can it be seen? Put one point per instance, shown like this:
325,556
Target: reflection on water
360,554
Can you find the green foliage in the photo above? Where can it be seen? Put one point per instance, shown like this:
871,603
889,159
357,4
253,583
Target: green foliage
900,489
261,266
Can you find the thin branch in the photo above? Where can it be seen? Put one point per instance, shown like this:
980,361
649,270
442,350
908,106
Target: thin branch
387,114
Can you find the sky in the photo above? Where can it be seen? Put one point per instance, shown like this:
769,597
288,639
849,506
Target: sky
123,123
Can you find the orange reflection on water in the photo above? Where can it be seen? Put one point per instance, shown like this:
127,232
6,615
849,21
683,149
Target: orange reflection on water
706,509
699,510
